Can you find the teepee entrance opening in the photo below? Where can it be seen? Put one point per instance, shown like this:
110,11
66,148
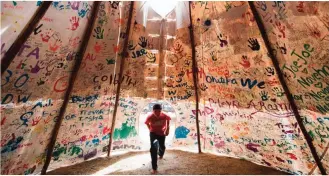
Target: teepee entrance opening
144,132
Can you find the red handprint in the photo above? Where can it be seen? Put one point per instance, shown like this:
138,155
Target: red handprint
36,120
6,138
300,7
281,29
128,73
245,62
65,140
74,42
55,46
97,47
74,23
46,36
49,118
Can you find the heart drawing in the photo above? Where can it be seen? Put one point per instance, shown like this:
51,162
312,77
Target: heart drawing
318,85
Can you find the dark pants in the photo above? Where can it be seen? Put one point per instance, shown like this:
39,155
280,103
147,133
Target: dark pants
154,148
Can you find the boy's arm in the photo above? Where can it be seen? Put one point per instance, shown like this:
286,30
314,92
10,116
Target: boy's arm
167,129
148,125
147,122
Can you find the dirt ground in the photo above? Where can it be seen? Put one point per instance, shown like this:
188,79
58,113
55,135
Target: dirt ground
174,163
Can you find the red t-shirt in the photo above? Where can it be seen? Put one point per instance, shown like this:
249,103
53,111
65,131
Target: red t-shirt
157,124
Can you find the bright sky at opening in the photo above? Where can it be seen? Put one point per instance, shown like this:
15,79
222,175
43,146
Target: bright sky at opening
163,7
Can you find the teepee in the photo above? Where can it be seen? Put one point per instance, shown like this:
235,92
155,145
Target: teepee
246,79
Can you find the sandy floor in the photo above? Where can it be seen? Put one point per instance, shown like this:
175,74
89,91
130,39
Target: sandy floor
174,162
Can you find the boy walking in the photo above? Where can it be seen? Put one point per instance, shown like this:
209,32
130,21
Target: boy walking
158,124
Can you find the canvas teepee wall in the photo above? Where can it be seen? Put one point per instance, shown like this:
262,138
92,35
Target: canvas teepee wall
242,108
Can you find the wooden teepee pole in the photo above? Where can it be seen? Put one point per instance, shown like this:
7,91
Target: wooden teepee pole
73,76
23,36
285,87
123,55
195,77
321,157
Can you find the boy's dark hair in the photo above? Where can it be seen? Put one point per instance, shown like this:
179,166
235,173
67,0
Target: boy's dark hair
157,107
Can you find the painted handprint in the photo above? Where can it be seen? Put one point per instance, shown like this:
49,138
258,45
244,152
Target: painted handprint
143,42
99,33
178,48
101,11
283,48
261,5
300,7
277,4
254,45
54,47
99,66
227,6
85,8
97,47
46,35
74,23
41,82
223,42
131,45
110,61
213,57
187,62
74,5
278,91
269,71
74,42
115,4
281,28
258,59
151,58
36,68
282,13
36,120
203,87
245,62
264,95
